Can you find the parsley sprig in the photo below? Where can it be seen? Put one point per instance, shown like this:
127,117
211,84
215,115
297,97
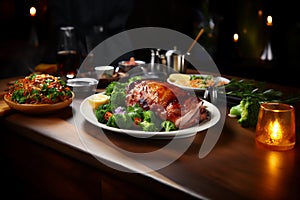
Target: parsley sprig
251,88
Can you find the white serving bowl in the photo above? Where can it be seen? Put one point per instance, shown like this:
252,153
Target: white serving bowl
104,70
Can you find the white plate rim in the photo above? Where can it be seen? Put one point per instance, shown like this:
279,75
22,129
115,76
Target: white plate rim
88,113
197,89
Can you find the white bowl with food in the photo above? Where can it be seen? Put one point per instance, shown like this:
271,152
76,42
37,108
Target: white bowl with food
125,66
104,71
196,82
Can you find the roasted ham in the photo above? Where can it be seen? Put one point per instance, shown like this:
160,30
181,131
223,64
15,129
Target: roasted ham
167,101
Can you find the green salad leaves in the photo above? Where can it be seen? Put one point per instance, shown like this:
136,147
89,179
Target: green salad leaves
39,89
116,114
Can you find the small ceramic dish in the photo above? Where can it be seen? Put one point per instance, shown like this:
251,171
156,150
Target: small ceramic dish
83,86
125,66
104,70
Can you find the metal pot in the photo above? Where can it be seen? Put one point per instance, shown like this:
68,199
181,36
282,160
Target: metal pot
176,60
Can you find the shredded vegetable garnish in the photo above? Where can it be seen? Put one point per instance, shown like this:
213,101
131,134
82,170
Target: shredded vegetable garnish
204,81
39,89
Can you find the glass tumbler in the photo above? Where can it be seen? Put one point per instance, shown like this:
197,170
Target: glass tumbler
276,128
68,57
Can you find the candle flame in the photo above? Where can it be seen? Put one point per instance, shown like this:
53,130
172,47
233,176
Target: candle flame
275,131
235,37
269,21
32,11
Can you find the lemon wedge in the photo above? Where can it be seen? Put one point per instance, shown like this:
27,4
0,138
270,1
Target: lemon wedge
98,99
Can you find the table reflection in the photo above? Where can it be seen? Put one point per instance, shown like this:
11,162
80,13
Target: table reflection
278,167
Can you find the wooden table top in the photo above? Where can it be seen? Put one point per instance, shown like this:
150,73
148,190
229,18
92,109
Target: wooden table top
235,168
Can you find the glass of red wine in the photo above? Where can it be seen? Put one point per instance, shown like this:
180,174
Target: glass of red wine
68,56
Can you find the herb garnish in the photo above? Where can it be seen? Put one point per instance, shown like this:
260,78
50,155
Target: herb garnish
252,94
250,88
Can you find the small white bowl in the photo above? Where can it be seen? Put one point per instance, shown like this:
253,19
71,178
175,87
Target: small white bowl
83,87
104,70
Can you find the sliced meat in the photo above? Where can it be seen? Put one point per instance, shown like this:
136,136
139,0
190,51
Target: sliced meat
167,101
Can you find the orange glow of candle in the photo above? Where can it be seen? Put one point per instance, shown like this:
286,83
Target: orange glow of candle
269,21
276,126
275,132
32,11
235,37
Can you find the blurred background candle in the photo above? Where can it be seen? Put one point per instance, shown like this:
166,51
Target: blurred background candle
269,21
32,11
276,127
267,53
33,40
235,37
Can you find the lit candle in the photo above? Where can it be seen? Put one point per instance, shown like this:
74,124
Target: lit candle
269,21
235,37
260,13
275,132
32,11
276,128
33,35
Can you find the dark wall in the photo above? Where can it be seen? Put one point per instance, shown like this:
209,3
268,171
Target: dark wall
229,17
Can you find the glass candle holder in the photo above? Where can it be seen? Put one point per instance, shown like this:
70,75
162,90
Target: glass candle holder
276,129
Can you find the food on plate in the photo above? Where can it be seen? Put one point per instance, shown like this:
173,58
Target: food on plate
167,101
204,81
201,81
150,105
98,99
125,66
181,79
196,80
39,89
131,62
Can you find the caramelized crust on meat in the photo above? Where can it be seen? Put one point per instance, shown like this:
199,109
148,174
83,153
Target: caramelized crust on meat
166,100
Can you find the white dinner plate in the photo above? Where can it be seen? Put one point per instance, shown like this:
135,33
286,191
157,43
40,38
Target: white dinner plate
197,89
88,113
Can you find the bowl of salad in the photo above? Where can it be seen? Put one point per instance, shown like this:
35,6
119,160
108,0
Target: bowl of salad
39,94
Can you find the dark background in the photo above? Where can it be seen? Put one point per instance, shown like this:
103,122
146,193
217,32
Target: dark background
19,54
